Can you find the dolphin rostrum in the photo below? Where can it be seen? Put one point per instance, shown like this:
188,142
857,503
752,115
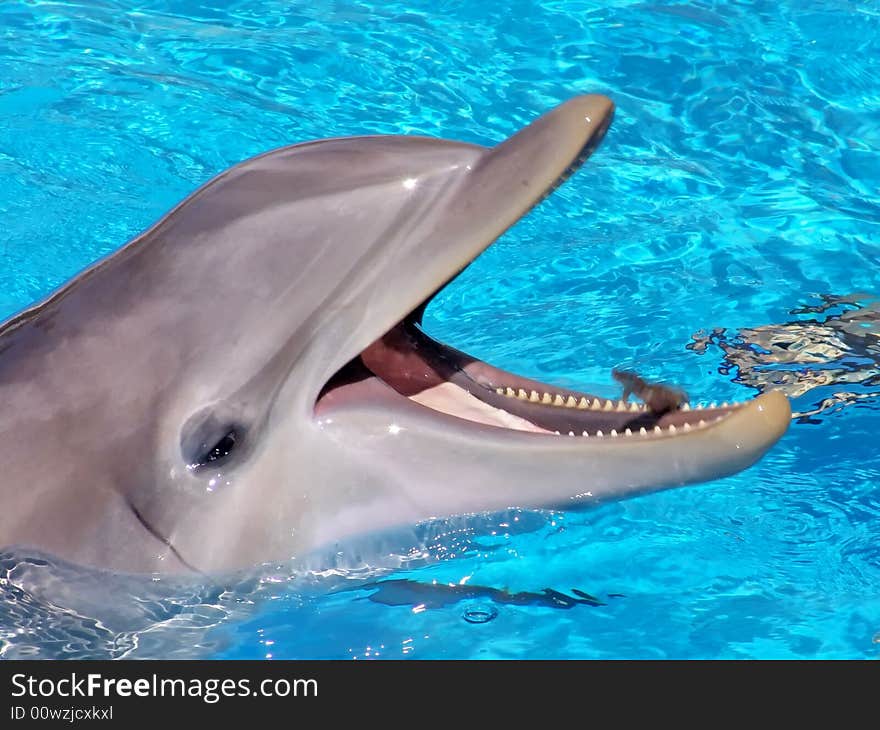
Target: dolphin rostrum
248,379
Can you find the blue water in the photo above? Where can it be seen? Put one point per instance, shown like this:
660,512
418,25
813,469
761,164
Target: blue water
740,181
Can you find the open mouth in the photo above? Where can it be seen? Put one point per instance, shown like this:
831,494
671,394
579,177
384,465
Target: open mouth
405,369
415,366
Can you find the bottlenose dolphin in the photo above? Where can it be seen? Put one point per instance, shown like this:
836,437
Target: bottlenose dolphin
248,379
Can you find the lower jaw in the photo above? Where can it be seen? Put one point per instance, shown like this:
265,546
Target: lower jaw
448,381
452,400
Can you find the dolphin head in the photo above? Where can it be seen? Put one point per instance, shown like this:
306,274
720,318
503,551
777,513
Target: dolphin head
248,379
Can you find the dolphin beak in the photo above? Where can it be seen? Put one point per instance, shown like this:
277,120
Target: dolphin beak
406,369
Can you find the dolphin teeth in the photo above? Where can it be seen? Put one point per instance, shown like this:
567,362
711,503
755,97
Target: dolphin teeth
686,427
534,397
557,433
628,432
725,405
547,399
522,395
599,434
583,403
571,402
672,428
608,406
500,391
621,406
685,406
701,423
634,407
642,431
657,429
585,433
557,401
596,405
713,404
571,433
510,392
614,433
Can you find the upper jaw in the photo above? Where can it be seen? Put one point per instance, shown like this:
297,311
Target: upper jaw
442,216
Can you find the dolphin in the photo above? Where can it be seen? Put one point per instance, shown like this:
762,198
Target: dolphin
248,379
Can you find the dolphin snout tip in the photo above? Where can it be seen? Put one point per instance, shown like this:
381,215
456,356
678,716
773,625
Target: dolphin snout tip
591,108
774,409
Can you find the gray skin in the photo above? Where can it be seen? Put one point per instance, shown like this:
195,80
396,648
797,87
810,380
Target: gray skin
226,320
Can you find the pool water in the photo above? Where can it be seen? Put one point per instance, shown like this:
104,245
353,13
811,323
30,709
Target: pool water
737,192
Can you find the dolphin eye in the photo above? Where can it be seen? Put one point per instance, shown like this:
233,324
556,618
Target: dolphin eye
208,441
220,450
